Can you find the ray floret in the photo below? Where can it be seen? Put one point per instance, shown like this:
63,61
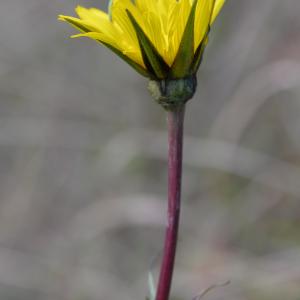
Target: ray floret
160,39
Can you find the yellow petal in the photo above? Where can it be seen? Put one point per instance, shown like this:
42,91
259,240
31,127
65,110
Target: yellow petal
203,16
163,22
82,25
217,8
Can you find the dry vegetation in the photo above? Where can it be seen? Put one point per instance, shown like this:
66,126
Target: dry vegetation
83,162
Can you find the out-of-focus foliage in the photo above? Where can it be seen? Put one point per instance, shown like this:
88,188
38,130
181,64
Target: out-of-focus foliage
83,161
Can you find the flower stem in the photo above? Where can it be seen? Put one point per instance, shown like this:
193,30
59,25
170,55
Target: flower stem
175,134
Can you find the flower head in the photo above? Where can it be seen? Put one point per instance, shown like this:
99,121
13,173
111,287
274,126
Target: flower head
161,39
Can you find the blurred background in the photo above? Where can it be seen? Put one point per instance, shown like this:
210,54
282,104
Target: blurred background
83,161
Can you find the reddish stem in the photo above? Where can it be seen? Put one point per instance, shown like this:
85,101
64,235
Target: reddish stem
175,132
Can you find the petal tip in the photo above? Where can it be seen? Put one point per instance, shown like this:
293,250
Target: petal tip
61,18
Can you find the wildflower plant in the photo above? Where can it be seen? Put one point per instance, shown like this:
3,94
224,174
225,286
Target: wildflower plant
163,40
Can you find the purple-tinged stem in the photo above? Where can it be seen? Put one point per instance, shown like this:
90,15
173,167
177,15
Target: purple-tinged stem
175,133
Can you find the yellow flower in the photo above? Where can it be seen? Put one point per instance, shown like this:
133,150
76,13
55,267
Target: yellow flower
159,38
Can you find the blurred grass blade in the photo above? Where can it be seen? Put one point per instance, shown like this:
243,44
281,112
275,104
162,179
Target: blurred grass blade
151,286
210,288
109,9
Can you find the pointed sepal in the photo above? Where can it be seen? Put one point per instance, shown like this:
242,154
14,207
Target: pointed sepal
152,59
133,64
185,55
199,53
